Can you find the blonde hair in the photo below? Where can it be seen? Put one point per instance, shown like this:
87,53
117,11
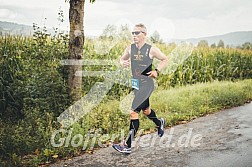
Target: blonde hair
141,26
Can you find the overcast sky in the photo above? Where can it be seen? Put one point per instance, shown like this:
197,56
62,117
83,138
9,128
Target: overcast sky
171,18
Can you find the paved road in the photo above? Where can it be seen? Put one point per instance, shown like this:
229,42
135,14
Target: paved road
223,139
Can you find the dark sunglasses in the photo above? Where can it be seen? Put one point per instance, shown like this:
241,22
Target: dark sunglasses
136,32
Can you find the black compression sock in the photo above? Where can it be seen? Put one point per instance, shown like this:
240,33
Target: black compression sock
153,117
134,125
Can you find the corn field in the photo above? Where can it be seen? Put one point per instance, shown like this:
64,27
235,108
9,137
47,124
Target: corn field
30,67
21,56
207,64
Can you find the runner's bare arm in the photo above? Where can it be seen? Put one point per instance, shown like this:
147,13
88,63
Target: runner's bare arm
125,58
156,53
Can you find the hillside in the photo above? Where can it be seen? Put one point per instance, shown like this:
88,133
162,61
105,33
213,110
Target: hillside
18,29
15,29
232,39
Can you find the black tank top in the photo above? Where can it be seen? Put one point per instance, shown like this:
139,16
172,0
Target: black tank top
141,63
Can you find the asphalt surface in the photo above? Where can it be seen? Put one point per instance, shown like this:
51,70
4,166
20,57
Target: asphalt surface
222,139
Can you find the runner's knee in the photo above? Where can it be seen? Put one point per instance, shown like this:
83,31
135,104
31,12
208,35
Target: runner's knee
147,111
133,115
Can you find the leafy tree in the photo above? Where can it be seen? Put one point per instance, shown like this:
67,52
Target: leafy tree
110,31
203,43
124,32
247,46
221,44
155,37
213,45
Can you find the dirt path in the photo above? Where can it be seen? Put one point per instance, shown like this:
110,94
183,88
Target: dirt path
223,139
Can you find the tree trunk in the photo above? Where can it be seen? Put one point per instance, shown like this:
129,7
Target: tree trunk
76,42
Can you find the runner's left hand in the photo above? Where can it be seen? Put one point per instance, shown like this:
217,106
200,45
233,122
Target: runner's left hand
152,74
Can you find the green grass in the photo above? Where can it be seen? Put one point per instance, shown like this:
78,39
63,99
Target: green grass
189,102
175,105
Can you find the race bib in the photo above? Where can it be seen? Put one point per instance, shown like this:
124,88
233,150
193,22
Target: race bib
135,83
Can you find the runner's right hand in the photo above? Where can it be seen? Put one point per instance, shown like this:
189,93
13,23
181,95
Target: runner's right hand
125,63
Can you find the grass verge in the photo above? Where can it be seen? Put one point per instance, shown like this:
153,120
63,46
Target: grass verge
176,105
